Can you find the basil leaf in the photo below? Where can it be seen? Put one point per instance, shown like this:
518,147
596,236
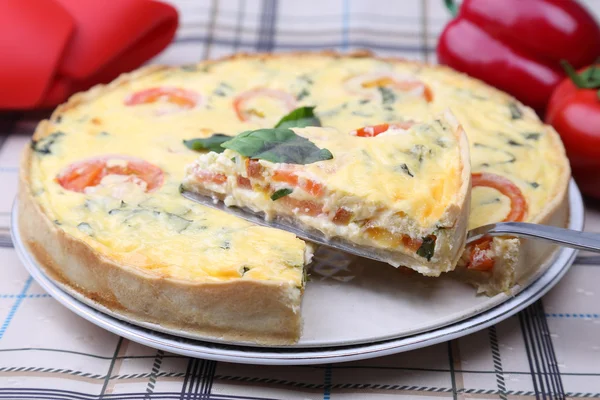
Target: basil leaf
277,145
212,143
427,248
281,193
299,118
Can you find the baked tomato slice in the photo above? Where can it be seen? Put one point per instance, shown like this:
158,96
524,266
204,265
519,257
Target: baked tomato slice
306,207
208,176
89,173
374,130
479,258
313,188
258,103
180,97
518,203
368,84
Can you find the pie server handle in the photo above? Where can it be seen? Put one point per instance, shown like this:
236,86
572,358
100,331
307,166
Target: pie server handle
565,237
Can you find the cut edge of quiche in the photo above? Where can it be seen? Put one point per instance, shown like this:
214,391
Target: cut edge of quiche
341,198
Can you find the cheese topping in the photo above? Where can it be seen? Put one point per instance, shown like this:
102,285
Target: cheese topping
163,233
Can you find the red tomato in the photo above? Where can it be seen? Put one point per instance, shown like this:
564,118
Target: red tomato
358,84
253,168
240,103
342,216
479,259
518,203
208,176
304,206
181,97
374,130
244,182
575,114
313,188
89,173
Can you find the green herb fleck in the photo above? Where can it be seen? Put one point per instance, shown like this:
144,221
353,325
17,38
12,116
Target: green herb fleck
427,248
514,143
212,143
277,145
222,89
387,95
305,78
361,114
281,193
86,228
303,93
405,168
532,135
534,185
189,67
44,145
226,245
244,269
515,111
299,118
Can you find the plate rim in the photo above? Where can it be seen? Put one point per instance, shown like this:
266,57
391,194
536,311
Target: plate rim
244,353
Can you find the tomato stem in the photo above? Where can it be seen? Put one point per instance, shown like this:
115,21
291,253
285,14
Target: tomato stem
452,7
573,75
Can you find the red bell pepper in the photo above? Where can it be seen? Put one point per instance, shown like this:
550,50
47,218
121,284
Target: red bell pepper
517,45
574,111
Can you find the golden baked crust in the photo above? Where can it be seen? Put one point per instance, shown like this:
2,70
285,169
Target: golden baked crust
253,310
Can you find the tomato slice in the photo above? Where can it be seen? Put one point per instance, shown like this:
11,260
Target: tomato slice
89,173
342,216
253,168
518,203
364,84
181,97
479,259
307,207
313,188
244,182
374,130
243,110
393,240
208,176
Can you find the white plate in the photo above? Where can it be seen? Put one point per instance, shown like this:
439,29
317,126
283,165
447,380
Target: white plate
350,313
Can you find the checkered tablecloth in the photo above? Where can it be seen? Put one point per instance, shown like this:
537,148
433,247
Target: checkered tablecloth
551,350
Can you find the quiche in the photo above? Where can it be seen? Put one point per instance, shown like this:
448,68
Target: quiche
100,207
400,191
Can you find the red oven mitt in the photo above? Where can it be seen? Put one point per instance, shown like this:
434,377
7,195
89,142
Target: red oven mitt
50,49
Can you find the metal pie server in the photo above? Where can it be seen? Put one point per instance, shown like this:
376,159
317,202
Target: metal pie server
561,236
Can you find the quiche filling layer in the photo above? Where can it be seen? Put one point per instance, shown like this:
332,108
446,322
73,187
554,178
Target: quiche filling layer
388,190
108,172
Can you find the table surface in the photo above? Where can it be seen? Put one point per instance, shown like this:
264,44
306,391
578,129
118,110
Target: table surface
550,350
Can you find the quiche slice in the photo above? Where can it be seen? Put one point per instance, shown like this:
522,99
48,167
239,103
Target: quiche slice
400,190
